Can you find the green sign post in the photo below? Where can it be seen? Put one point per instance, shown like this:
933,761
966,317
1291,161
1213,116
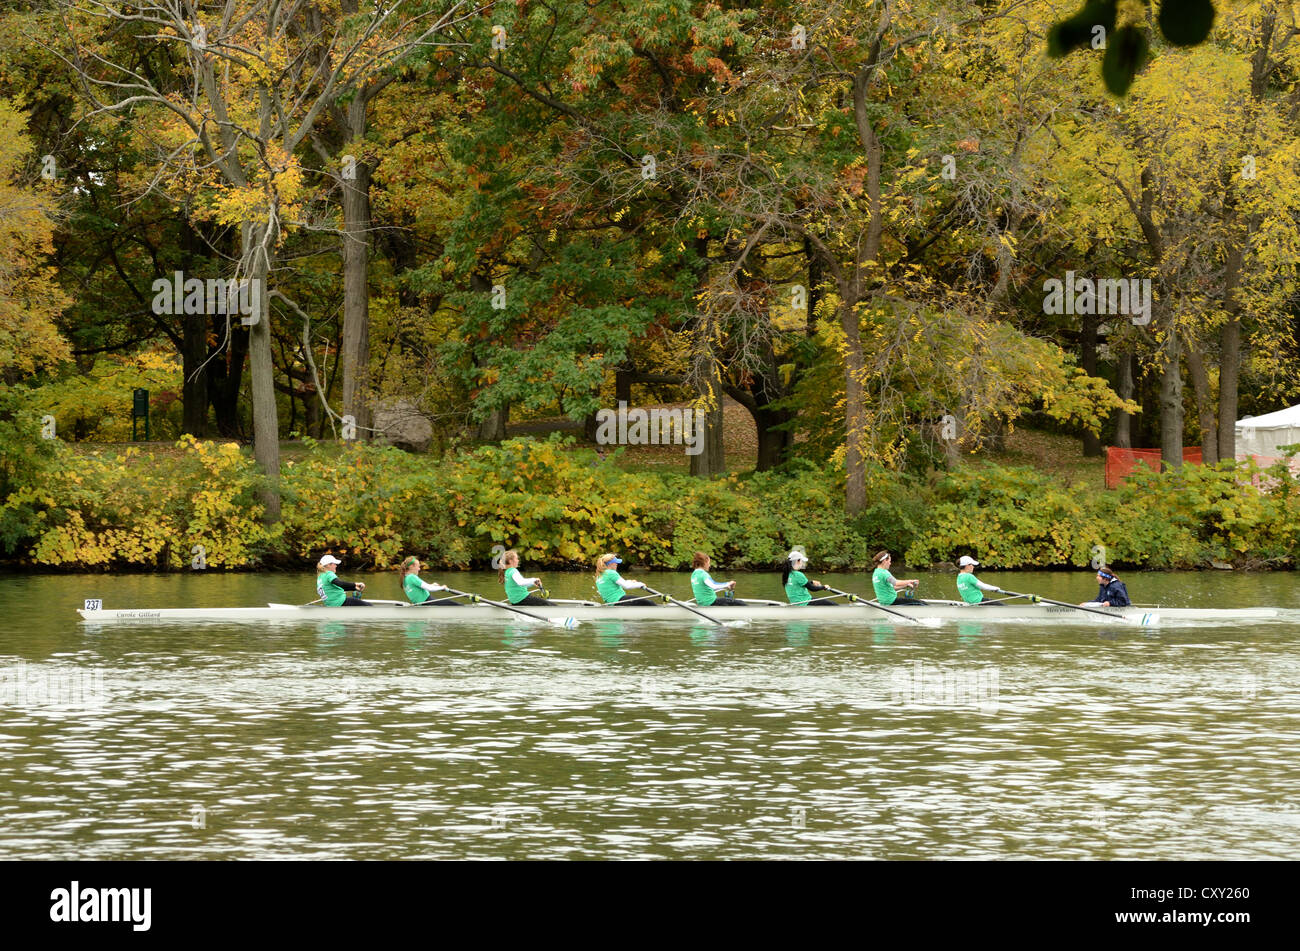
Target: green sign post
140,410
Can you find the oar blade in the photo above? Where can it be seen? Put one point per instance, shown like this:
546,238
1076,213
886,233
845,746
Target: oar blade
565,622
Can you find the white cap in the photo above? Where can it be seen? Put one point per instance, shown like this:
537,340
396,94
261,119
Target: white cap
797,555
965,560
329,560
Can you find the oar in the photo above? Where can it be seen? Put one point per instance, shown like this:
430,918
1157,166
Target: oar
656,599
557,621
975,604
400,604
274,604
438,601
814,601
1122,618
681,604
856,599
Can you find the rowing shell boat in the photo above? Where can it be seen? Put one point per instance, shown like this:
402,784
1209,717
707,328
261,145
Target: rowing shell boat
941,611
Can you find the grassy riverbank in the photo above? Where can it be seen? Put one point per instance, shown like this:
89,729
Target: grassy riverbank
124,508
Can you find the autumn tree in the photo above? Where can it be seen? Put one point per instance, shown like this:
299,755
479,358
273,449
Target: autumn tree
252,80
30,296
1203,167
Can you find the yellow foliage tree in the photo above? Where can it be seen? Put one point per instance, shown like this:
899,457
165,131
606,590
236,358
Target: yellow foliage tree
30,299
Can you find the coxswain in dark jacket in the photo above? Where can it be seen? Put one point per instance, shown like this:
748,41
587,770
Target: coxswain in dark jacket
1111,591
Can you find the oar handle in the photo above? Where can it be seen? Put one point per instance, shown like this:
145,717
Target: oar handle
566,622
1010,597
476,598
681,605
857,599
830,597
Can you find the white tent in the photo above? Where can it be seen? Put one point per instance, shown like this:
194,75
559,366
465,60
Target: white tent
1262,435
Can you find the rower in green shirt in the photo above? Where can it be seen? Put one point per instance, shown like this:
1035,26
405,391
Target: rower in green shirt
705,588
969,587
889,590
332,590
518,588
796,584
612,587
418,591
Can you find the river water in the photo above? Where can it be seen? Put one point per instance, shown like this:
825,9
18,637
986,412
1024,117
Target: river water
662,739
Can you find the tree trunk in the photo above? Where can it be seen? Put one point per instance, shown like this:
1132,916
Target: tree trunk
1171,403
312,423
225,377
1124,388
707,374
266,430
623,385
1261,67
952,447
774,444
1229,377
997,437
816,275
855,492
194,348
711,460
1204,404
855,495
1088,361
493,427
356,291
194,373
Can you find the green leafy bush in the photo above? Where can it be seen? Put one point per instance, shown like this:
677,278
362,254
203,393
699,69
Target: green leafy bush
24,461
1016,518
562,507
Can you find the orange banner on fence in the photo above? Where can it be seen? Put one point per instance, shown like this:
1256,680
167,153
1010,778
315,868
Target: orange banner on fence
1120,462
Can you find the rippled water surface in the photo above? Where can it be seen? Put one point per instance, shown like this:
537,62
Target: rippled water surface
644,739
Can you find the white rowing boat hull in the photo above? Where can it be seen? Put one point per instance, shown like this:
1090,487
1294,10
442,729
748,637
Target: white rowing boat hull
942,611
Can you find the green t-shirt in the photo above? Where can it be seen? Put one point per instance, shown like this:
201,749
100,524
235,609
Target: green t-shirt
609,587
704,595
969,588
883,582
414,592
794,588
515,592
334,595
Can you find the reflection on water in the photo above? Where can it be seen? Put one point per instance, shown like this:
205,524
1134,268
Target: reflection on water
674,738
703,633
798,633
608,633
